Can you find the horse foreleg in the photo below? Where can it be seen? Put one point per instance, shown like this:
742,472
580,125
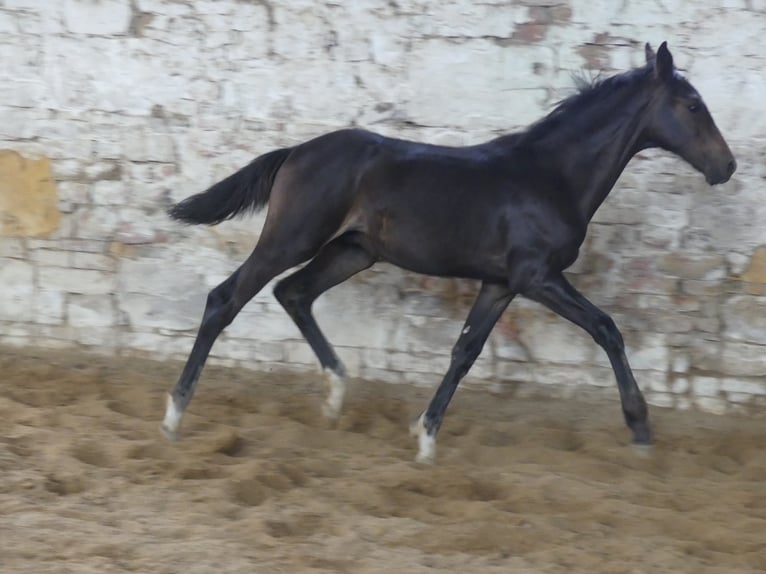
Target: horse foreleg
492,300
556,293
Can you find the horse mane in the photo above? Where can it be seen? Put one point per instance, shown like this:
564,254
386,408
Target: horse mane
592,94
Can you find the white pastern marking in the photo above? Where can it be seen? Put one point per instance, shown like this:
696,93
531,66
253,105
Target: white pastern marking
172,419
336,390
426,443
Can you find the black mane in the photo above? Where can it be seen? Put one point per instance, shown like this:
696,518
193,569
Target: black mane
597,95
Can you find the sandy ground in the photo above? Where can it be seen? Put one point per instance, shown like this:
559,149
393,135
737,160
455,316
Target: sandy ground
261,483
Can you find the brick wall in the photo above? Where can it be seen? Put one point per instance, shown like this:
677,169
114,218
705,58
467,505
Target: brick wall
112,109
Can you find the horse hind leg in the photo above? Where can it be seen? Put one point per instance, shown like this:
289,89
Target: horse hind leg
337,261
219,312
224,302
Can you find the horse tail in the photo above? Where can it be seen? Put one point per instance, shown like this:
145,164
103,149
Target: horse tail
246,190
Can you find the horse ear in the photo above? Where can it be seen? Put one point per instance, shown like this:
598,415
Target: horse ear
664,66
650,55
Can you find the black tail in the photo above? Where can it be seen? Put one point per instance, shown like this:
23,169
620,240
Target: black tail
245,191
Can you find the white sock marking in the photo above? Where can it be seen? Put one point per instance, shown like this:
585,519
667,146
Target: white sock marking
172,418
426,443
336,390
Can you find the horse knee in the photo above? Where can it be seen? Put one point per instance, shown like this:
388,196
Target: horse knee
607,335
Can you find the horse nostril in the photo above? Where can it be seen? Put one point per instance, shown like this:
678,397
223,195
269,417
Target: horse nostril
731,166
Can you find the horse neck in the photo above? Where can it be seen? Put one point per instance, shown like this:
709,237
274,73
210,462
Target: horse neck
590,160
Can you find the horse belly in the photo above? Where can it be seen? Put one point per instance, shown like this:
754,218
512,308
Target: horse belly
447,247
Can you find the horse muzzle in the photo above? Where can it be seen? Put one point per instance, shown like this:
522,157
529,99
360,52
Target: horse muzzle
721,175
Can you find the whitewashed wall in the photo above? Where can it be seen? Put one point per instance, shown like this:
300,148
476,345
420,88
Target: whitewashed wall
112,109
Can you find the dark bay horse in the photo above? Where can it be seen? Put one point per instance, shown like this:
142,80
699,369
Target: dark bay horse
510,213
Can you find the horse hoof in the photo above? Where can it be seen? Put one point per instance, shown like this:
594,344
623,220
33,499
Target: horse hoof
642,434
643,450
426,458
330,411
168,433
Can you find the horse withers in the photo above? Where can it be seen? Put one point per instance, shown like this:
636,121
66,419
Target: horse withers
510,213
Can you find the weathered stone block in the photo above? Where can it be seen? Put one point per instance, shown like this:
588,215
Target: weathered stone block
17,283
680,385
558,375
48,307
110,192
416,334
663,400
250,351
556,341
103,18
744,386
418,362
83,260
706,386
161,278
654,381
12,248
680,364
352,358
148,311
86,281
711,405
262,326
298,351
376,359
384,375
102,339
744,319
742,359
651,352
179,345
506,74
142,144
91,311
507,349
97,223
50,257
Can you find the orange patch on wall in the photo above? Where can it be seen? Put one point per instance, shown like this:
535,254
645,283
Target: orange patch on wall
755,274
28,199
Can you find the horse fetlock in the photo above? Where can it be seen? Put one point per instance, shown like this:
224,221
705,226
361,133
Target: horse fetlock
172,420
637,420
335,387
642,434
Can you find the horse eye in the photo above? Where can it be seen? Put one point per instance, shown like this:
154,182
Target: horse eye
693,108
